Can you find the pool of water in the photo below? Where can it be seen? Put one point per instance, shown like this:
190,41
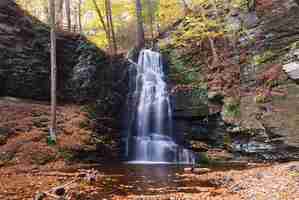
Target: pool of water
123,179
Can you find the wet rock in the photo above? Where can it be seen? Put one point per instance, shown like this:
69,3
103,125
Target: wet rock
198,146
252,147
198,131
4,134
60,191
3,140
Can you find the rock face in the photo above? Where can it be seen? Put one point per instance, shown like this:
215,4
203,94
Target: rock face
270,46
25,60
190,107
191,104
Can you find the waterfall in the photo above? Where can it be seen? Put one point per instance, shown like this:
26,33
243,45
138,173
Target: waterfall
149,136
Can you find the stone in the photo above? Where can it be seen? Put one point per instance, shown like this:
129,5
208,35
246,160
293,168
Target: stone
201,170
3,140
5,131
292,69
40,196
188,169
4,134
60,191
294,168
198,146
250,20
296,53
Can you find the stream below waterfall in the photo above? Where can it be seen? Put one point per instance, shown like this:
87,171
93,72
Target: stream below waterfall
158,179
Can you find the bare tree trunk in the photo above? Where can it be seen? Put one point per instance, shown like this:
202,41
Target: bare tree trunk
186,7
102,21
60,13
79,15
68,14
53,72
75,18
110,26
140,43
251,4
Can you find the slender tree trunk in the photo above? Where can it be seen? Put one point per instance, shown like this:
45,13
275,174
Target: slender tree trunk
102,21
60,13
79,15
140,43
151,19
68,14
75,19
251,4
53,71
186,7
46,12
110,27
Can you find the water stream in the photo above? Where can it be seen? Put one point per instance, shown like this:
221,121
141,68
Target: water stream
149,136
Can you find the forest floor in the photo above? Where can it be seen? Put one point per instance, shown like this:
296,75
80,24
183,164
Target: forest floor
28,164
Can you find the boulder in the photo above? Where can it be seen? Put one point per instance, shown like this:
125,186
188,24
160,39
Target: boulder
292,69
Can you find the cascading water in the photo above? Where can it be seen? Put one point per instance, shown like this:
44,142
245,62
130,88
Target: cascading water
149,137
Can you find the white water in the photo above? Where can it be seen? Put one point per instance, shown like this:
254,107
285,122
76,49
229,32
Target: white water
150,137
